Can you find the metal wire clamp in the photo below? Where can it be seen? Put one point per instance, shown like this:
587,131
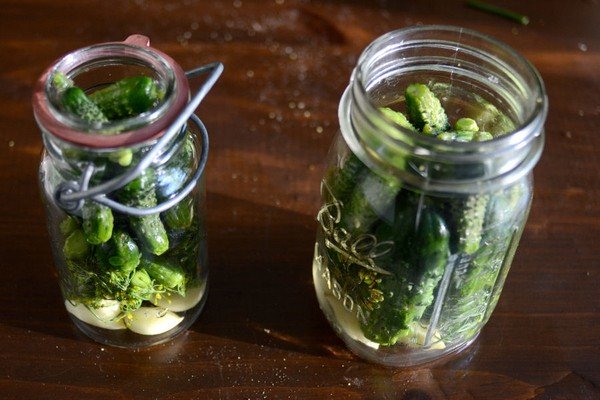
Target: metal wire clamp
71,195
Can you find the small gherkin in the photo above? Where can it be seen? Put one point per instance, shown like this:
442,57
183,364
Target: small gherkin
75,101
472,289
148,229
387,322
368,202
181,215
465,130
98,222
398,118
422,252
425,111
127,97
469,216
119,256
492,120
457,136
76,247
466,124
166,273
342,180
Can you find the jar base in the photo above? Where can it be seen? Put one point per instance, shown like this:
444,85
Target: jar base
346,326
125,338
412,358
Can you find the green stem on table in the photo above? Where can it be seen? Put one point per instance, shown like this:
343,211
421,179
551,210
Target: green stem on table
502,12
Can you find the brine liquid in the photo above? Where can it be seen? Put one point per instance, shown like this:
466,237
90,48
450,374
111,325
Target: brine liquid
492,113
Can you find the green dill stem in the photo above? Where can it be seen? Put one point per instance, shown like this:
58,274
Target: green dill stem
502,12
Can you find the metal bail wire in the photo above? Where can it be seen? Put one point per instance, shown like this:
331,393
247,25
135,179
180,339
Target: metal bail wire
71,195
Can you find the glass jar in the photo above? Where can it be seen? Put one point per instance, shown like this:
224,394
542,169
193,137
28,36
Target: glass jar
416,234
125,197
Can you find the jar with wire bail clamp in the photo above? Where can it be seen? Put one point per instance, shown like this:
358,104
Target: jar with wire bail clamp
122,179
426,192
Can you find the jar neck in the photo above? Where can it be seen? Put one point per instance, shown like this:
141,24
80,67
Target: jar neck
99,65
71,160
454,61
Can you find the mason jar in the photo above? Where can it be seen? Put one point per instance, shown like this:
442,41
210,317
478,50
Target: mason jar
125,196
419,220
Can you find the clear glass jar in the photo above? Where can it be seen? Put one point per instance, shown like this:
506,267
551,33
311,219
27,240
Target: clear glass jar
416,234
125,199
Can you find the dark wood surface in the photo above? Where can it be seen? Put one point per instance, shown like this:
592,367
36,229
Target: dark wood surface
271,119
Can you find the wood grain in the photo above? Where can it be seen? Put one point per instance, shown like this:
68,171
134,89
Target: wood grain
271,119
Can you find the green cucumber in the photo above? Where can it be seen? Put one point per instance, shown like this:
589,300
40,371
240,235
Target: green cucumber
127,97
398,118
148,229
75,101
469,217
120,254
372,197
181,215
466,124
166,273
422,251
76,247
492,120
457,136
98,222
340,181
425,111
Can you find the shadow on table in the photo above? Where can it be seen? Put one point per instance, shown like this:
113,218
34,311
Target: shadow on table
261,288
29,290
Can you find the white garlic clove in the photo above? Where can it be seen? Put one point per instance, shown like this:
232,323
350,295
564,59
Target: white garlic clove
101,317
348,322
178,303
152,320
420,333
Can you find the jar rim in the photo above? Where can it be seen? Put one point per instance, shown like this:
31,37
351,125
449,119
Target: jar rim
134,48
535,118
357,110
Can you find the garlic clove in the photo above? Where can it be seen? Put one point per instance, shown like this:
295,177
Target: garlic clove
178,303
420,333
101,317
152,320
348,322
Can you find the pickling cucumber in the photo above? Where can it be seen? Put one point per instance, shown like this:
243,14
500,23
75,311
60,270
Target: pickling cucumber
148,229
425,111
98,222
75,101
127,97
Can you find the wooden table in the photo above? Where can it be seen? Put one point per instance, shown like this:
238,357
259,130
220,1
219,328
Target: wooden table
271,118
